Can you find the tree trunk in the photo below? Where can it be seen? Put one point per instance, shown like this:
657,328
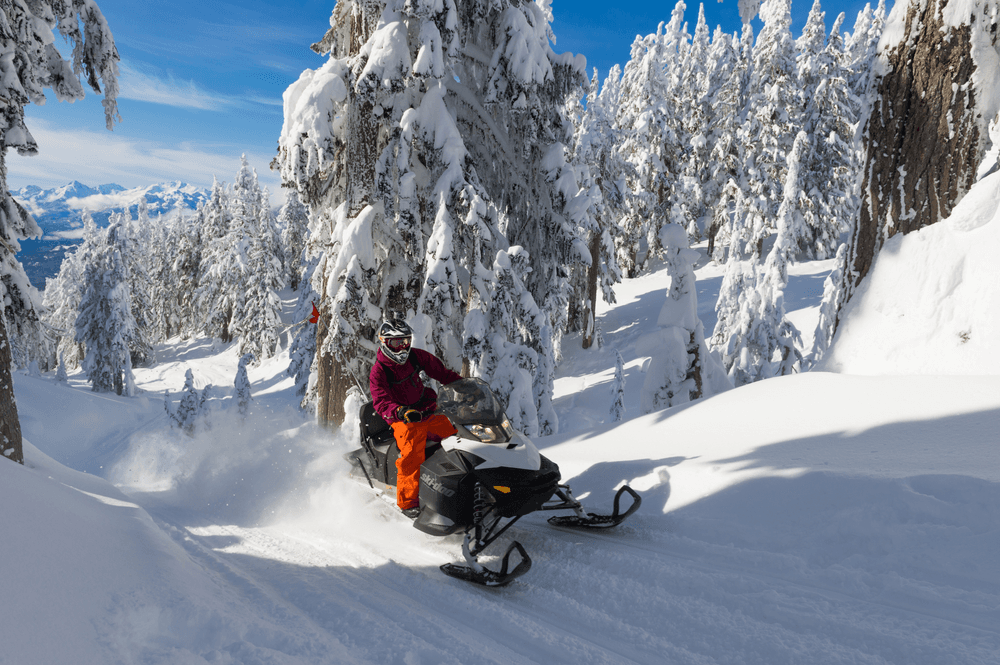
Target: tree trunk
590,311
10,426
924,139
333,380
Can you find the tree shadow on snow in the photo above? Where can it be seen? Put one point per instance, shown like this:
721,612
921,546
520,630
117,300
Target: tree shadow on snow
597,485
914,512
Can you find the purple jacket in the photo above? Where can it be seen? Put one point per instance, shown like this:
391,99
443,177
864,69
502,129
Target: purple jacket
393,385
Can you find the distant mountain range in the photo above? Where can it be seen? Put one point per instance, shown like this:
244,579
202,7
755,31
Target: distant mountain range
58,212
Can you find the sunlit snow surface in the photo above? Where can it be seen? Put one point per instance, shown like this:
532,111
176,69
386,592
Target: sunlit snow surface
818,518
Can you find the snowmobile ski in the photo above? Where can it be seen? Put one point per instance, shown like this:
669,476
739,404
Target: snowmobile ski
478,574
594,521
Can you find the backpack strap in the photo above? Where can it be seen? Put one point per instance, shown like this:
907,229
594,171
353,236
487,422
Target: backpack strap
412,360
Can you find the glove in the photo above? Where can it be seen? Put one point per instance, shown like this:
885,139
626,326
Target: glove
408,415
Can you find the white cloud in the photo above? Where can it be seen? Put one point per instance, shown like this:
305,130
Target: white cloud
144,86
97,158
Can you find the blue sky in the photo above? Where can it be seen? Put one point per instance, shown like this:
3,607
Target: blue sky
201,83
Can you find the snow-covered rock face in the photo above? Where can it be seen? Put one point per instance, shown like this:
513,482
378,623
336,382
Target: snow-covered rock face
927,131
931,303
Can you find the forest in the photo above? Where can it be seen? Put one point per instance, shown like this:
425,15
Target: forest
482,186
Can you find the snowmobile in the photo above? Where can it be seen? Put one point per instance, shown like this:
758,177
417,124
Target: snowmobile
480,481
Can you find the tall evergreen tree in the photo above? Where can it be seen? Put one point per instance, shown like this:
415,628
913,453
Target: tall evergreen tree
31,64
184,269
757,339
406,210
727,83
600,172
131,238
773,114
689,194
293,219
64,292
830,164
648,139
106,326
257,318
222,273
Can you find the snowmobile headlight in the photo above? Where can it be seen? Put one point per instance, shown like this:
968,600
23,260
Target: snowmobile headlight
487,433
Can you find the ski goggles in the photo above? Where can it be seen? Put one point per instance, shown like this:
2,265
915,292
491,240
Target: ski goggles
398,343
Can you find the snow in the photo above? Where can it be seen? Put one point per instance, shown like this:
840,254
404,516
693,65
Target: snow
822,517
931,304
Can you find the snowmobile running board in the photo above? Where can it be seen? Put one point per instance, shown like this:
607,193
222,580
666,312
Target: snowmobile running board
591,520
477,574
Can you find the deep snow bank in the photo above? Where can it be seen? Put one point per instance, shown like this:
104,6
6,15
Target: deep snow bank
931,303
90,578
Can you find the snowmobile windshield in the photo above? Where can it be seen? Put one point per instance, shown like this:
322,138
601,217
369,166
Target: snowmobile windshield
470,401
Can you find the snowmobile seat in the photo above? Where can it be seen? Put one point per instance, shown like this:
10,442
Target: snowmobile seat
373,426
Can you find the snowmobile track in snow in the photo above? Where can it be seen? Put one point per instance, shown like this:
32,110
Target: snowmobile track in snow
718,566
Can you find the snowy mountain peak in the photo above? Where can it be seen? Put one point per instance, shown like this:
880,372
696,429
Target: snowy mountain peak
58,210
74,189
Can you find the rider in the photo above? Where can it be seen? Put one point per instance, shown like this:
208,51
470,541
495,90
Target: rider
402,399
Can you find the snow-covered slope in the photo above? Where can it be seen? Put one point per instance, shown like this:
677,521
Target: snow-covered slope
931,304
821,518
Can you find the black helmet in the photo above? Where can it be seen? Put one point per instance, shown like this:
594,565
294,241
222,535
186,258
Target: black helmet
395,338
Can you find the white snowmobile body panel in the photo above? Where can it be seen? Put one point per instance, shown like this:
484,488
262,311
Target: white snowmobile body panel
518,453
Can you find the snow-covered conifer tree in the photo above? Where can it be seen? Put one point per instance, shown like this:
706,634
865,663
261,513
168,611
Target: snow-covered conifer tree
681,368
727,82
861,49
258,318
404,209
293,219
191,406
618,389
222,268
217,218
757,339
242,385
184,239
256,308
156,256
105,325
61,370
128,239
64,291
509,343
302,350
769,126
601,172
31,64
649,139
829,168
688,196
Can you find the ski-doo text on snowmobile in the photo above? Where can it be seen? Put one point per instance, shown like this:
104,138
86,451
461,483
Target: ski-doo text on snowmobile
480,481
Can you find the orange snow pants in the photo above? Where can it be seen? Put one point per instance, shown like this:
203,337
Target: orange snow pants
412,441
